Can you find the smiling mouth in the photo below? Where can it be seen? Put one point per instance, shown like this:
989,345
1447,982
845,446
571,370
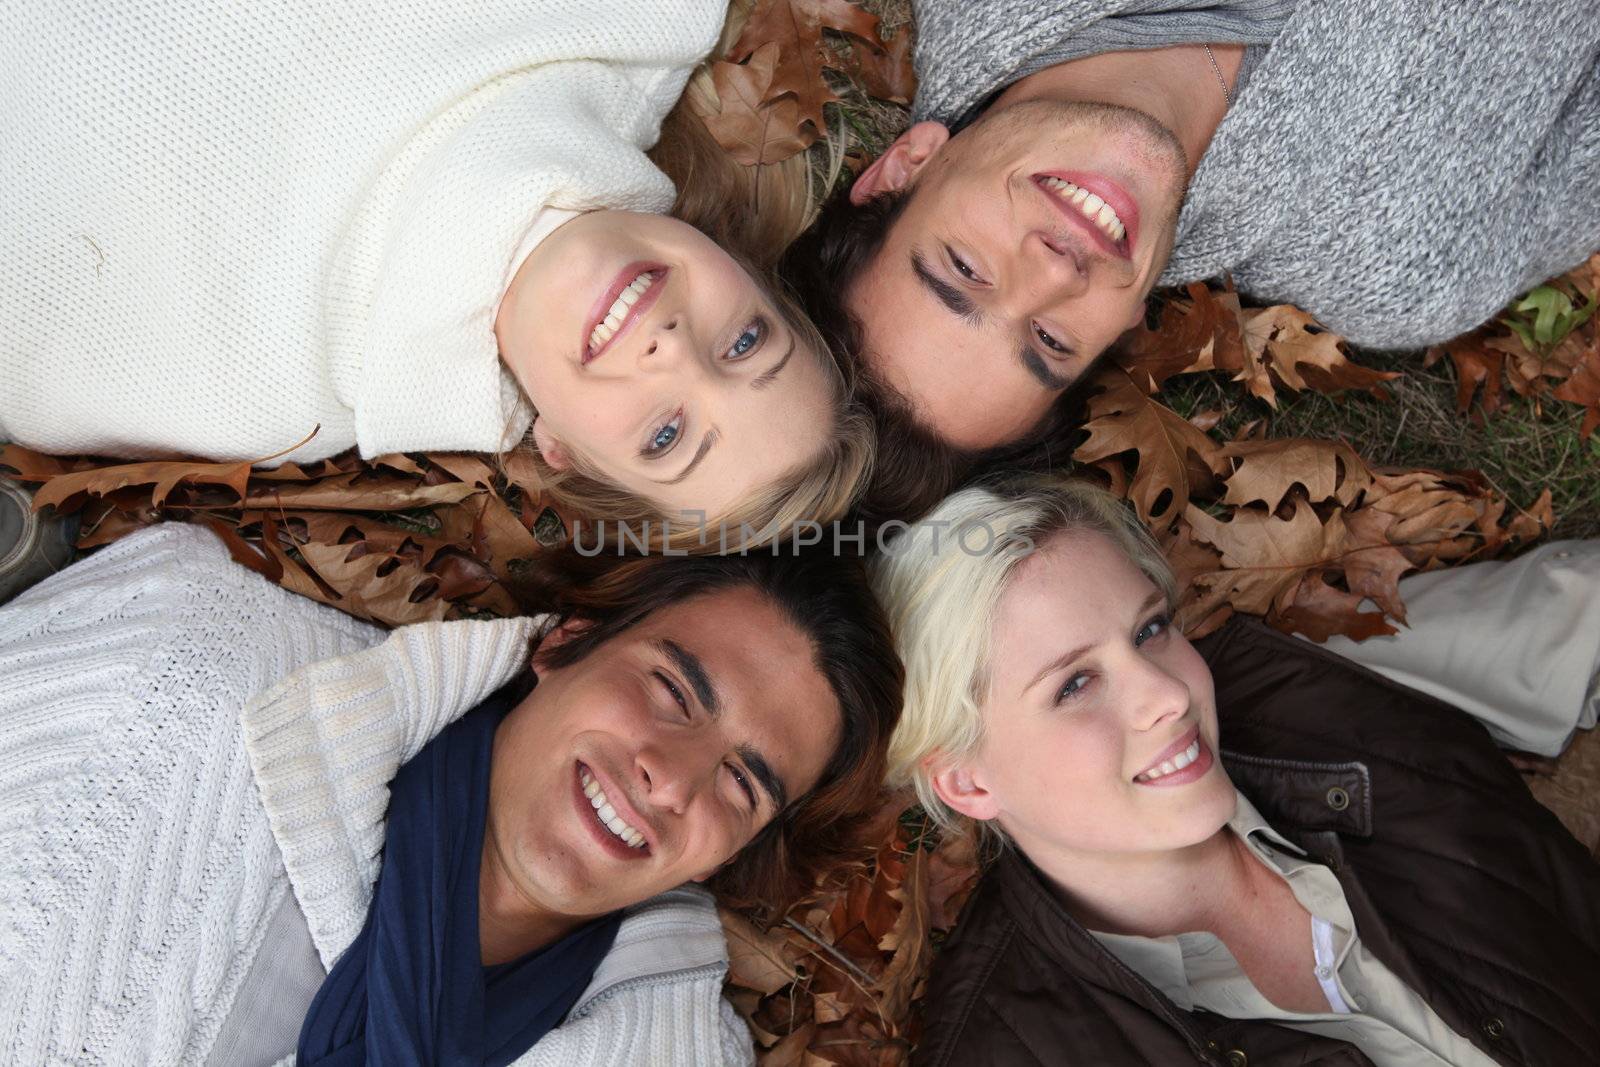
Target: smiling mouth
1092,212
1173,765
607,815
634,290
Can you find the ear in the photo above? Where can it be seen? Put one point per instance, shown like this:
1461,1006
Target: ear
899,166
557,637
961,788
553,451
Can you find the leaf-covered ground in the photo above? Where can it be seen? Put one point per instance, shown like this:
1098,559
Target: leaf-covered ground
1289,475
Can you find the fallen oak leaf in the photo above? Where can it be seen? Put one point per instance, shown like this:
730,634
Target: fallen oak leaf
1286,343
1319,611
885,73
1476,364
757,959
353,492
750,124
793,30
1583,387
1268,470
1201,333
1175,460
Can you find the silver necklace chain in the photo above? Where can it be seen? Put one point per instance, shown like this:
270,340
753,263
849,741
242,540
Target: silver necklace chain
1227,97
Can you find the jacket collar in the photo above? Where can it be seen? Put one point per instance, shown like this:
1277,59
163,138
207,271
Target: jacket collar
1297,798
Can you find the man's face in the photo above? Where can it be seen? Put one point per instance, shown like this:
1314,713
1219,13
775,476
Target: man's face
1028,247
658,756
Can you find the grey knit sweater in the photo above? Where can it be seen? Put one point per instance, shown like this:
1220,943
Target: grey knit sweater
1400,168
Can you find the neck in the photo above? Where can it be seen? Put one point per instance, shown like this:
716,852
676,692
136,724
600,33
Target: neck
1176,86
510,923
1153,894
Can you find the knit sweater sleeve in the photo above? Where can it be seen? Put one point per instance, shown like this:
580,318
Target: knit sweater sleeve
137,869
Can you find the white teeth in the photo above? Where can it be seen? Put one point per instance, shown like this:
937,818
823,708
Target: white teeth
608,326
1090,206
608,815
1176,763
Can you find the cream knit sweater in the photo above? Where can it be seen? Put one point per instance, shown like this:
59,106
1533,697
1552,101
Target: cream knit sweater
149,829
223,224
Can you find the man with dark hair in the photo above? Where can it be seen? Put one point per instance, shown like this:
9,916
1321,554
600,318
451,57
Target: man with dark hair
445,847
1401,170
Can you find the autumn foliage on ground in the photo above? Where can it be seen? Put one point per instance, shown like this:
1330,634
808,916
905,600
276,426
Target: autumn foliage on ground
1303,532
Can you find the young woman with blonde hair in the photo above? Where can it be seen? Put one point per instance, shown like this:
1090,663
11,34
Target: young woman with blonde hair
1247,851
305,227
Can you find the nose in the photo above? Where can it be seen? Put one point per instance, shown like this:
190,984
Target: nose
667,345
1153,695
672,772
1046,270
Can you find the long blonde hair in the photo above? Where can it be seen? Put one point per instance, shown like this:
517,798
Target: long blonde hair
752,213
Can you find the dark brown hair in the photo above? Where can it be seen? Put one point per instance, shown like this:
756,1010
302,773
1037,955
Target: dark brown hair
827,597
915,467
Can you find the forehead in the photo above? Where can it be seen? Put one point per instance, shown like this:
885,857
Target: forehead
1075,589
763,668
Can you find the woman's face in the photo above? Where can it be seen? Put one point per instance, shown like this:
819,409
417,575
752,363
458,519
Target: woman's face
648,351
1100,723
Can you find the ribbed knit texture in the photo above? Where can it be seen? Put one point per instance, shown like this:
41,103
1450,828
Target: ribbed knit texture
137,871
223,224
1400,169
145,851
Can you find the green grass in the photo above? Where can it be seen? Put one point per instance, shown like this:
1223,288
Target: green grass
1521,450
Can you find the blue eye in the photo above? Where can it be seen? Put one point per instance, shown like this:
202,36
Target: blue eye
1152,629
664,437
1075,685
748,340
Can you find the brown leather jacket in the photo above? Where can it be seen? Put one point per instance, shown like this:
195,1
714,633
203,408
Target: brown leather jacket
1459,881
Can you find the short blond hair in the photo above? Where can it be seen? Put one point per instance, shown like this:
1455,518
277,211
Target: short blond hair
942,591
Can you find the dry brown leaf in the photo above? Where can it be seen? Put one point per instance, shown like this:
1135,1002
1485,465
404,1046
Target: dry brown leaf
1285,343
1268,470
1175,460
1320,611
355,492
1201,333
755,124
1583,387
886,73
1477,365
65,491
793,28
757,959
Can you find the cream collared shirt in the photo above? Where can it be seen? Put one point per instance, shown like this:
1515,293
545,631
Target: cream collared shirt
1369,1006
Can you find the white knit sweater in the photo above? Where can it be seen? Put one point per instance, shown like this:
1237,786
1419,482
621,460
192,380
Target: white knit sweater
224,224
150,829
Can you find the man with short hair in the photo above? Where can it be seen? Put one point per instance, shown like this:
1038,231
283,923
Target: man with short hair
1401,170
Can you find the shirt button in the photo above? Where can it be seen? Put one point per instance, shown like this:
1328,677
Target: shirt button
1324,973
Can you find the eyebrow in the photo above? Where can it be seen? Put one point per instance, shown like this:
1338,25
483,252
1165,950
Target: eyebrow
766,378
954,300
958,303
1037,367
1061,661
695,673
700,453
705,691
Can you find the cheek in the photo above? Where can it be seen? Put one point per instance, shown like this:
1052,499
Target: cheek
1061,764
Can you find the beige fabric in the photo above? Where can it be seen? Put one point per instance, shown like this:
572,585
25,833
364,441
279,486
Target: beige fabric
1390,1023
1515,644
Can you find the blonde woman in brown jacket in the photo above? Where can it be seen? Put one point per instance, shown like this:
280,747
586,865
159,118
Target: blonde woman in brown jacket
1246,852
